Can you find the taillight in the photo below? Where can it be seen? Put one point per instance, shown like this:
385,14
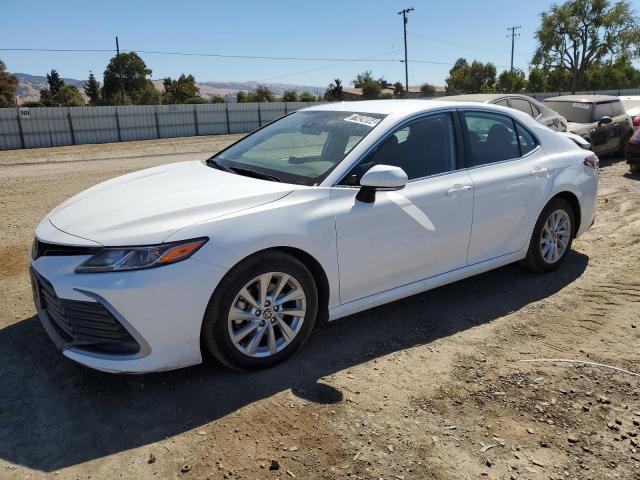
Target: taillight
592,161
636,121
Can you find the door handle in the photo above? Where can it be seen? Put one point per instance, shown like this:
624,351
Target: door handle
458,190
539,172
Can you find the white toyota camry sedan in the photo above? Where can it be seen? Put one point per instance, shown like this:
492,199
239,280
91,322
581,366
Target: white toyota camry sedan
323,213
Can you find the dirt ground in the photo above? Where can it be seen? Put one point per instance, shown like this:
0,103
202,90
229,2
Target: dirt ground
436,386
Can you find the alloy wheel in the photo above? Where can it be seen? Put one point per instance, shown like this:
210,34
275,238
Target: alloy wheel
555,237
267,314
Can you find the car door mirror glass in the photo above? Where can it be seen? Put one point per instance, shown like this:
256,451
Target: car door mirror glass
606,120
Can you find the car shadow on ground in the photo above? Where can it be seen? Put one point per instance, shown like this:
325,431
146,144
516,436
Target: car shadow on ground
55,413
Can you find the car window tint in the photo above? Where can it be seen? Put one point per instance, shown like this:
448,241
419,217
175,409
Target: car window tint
527,140
522,105
492,137
602,110
502,103
422,148
618,109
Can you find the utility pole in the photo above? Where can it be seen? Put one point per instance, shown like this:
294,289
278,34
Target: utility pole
120,71
406,63
513,36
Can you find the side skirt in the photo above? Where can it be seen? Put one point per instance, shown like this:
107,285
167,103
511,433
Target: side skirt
420,286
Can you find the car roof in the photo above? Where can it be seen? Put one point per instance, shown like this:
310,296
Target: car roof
474,97
384,107
583,98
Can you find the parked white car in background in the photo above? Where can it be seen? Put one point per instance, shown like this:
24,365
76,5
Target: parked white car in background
324,213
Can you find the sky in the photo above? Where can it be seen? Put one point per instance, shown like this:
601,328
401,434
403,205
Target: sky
344,31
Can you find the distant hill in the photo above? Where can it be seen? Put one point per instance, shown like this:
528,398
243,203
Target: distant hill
30,86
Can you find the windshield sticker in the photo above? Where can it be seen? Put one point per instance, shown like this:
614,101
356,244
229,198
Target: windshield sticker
584,106
363,120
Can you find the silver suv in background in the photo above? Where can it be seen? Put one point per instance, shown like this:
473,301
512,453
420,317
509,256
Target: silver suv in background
600,119
525,104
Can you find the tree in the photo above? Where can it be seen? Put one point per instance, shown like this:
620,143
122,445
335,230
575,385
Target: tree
55,82
371,88
307,97
148,95
612,75
558,80
137,87
537,81
290,96
475,78
427,90
218,99
334,91
181,90
512,81
577,34
8,87
92,90
49,97
263,94
69,96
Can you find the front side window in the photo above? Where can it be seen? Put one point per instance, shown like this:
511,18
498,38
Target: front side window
421,148
492,137
618,109
301,148
602,110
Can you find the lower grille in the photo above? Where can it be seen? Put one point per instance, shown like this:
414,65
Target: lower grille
86,325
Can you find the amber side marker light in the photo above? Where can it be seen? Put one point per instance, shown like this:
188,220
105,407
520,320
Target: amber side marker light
180,252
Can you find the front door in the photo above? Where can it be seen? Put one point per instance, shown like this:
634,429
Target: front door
410,234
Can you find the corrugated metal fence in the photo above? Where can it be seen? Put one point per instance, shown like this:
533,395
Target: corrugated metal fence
615,93
57,126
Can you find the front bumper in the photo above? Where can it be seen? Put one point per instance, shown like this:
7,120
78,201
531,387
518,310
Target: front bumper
160,308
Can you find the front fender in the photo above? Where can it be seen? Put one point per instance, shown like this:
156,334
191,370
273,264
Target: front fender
302,220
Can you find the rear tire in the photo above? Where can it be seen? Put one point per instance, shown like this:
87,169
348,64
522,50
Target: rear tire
248,330
552,237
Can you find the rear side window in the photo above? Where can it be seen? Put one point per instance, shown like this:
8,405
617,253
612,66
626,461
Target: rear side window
602,110
492,137
526,139
618,109
522,105
536,111
502,103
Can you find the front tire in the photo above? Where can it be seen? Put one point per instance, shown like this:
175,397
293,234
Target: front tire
261,312
551,238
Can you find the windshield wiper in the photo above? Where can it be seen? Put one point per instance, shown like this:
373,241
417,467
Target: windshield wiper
212,162
253,173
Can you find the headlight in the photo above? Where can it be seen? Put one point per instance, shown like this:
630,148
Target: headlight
136,258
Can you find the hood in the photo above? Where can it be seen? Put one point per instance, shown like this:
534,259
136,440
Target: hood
146,207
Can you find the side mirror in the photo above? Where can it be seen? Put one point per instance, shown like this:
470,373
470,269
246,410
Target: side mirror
605,120
380,177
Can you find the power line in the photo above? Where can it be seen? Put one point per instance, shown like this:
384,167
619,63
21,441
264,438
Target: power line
219,55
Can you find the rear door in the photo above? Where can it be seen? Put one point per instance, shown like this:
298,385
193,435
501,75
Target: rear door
511,178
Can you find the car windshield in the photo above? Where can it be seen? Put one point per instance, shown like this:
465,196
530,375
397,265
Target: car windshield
301,148
577,112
